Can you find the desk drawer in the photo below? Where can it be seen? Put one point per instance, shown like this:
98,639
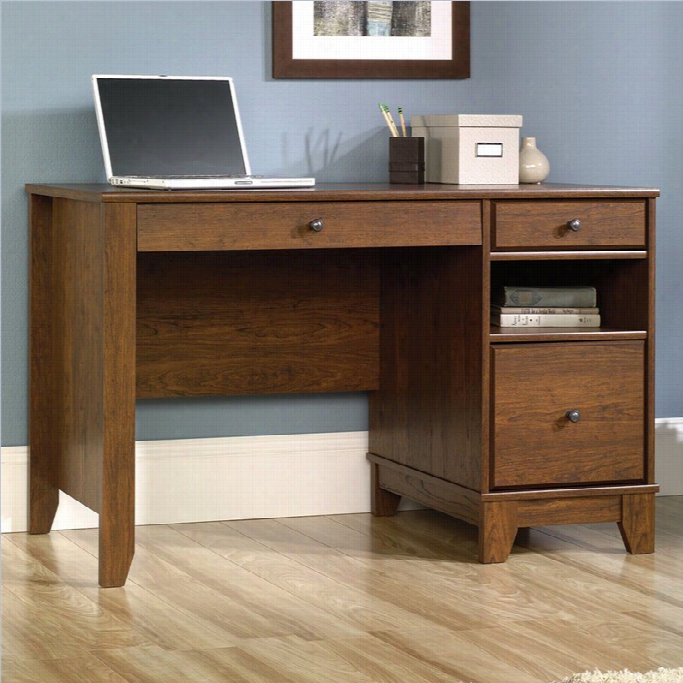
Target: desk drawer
553,225
240,226
535,442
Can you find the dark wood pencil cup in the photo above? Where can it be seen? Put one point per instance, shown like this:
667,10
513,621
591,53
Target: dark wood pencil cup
406,160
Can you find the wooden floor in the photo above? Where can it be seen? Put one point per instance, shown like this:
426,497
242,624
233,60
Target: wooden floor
342,598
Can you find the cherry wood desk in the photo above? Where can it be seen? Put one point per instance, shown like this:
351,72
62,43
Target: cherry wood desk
374,288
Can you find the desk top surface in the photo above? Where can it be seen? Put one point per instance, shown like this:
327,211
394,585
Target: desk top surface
338,192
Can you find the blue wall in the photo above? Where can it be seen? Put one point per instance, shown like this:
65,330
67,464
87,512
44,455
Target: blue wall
599,85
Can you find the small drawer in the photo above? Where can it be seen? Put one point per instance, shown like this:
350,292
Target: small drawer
580,224
298,225
538,440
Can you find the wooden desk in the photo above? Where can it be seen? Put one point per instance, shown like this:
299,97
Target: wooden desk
376,288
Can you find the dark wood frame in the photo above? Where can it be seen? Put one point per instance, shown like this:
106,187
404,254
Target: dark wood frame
284,66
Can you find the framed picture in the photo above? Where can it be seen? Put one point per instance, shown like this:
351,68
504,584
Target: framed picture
351,39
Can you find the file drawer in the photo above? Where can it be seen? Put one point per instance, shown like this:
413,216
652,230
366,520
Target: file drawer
316,225
568,413
568,225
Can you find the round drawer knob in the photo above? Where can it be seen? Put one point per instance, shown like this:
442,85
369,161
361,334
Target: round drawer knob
574,225
573,415
316,225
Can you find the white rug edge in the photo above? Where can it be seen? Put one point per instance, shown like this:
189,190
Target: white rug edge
660,675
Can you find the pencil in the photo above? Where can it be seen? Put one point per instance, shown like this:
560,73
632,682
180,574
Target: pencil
384,109
392,125
386,120
403,122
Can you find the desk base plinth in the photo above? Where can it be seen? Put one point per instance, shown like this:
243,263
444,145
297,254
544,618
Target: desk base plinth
501,515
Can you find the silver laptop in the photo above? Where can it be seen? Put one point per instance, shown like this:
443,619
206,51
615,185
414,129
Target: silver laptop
175,133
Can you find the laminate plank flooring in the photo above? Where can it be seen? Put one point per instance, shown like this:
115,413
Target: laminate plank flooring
342,598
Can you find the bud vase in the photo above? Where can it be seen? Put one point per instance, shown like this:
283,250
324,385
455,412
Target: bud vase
533,164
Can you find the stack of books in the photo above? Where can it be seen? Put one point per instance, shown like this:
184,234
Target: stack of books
545,307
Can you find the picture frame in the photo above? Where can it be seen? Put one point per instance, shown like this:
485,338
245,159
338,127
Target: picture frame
297,53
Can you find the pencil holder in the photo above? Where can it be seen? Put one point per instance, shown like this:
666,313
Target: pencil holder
406,160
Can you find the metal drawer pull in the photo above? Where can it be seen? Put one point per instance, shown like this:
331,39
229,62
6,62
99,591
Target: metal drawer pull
316,224
573,415
574,225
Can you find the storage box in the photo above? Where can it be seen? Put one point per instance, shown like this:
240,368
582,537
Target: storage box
470,149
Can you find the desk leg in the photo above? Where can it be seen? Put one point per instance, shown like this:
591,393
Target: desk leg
43,491
637,525
82,369
497,530
117,511
383,503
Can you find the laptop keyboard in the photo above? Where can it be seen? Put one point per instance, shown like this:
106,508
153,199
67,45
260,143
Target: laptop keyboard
199,177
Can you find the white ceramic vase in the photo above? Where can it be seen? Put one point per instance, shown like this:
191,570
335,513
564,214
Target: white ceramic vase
533,164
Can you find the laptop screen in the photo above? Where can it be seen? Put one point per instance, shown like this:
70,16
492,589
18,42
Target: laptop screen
161,126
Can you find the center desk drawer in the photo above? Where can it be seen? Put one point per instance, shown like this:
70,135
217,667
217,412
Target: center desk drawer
316,225
579,224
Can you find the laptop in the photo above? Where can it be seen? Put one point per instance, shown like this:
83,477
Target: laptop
175,133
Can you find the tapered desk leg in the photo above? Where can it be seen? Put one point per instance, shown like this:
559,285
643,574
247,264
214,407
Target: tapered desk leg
82,369
637,525
497,530
383,503
117,511
43,491
117,538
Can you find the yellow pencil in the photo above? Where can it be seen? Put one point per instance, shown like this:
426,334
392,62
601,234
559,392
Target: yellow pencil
403,122
385,113
392,125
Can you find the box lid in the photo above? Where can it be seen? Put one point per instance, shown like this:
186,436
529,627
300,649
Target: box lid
468,121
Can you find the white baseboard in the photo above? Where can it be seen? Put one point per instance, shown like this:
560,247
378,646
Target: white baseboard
258,476
669,455
225,478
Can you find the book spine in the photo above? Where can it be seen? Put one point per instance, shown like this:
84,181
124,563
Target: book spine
545,320
564,310
573,297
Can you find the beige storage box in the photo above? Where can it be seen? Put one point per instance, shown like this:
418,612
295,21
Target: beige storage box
470,149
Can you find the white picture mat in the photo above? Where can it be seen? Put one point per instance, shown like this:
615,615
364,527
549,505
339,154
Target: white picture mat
307,46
